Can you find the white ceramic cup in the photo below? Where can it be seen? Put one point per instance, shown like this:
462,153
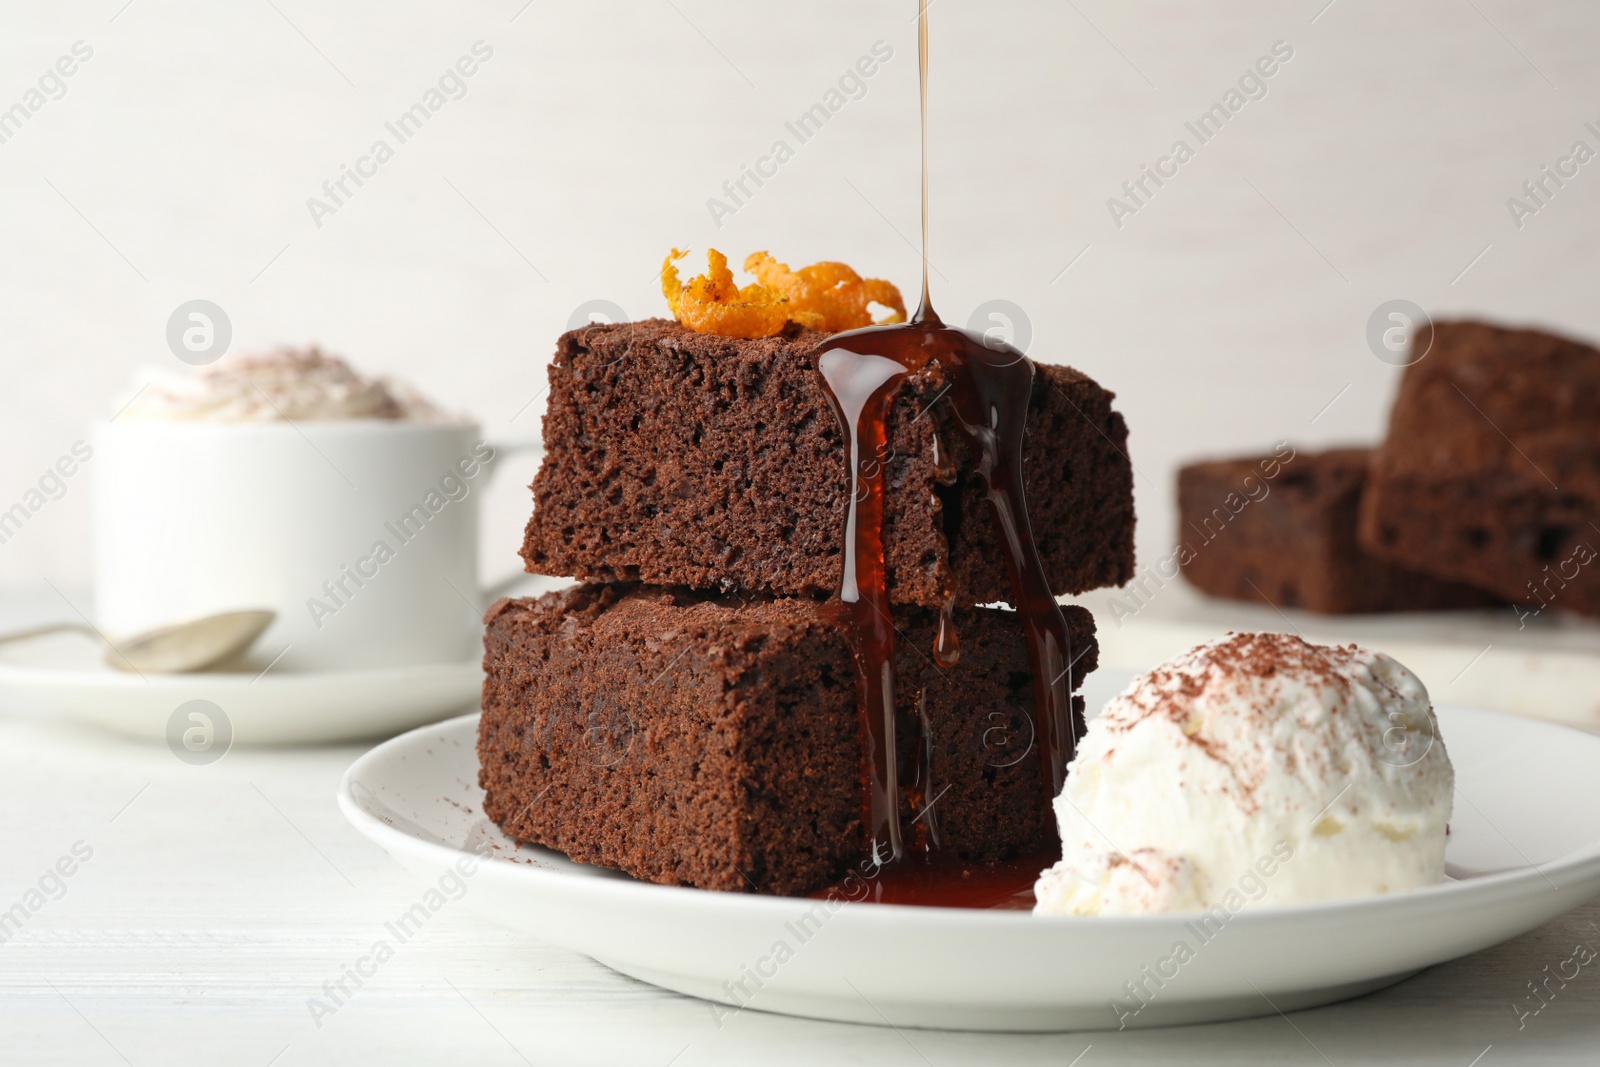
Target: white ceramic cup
361,534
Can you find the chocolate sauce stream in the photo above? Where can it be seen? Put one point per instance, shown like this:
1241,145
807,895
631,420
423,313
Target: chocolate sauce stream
860,387
946,643
922,87
990,390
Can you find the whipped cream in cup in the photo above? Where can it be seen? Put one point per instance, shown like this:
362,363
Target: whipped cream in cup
286,384
288,481
1254,770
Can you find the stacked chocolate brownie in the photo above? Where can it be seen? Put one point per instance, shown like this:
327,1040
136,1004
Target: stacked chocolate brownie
1486,490
689,714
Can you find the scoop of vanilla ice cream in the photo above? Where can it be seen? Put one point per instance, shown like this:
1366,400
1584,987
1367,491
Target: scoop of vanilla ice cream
1253,770
298,385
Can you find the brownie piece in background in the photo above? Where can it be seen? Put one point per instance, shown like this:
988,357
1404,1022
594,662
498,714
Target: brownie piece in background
679,458
714,742
1490,473
1292,541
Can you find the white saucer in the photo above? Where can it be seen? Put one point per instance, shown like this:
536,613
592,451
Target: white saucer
65,672
1524,848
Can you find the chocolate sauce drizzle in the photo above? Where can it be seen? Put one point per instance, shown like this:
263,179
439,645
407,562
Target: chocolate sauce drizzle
991,385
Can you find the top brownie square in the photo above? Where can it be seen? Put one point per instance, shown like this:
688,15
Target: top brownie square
1491,470
678,458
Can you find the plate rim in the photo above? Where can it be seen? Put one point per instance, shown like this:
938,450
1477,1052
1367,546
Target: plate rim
1583,863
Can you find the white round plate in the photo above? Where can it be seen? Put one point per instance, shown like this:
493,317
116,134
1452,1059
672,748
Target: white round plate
66,673
1524,848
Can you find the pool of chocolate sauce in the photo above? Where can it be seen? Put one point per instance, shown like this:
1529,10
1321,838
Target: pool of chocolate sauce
941,880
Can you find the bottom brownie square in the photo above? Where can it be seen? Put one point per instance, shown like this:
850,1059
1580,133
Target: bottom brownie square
1289,539
713,742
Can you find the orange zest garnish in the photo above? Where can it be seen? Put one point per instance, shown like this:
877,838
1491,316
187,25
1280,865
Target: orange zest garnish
831,295
824,296
711,303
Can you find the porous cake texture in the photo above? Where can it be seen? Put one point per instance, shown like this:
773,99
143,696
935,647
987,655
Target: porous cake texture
679,458
714,741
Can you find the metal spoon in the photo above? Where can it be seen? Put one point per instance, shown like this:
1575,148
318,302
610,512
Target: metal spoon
176,649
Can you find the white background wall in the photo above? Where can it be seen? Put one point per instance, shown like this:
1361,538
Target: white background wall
1226,314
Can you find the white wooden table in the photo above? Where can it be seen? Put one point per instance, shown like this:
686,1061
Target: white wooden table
219,899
